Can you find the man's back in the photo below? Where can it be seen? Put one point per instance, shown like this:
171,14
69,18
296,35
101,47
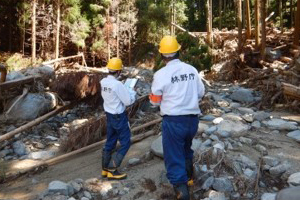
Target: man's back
180,87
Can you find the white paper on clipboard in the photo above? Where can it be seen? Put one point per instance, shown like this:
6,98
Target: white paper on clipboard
131,82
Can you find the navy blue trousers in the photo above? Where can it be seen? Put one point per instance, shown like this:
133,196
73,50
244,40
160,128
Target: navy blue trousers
117,130
178,133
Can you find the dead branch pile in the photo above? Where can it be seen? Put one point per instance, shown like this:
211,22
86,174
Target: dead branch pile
282,65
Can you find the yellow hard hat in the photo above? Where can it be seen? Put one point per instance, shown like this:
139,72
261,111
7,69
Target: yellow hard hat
169,44
114,64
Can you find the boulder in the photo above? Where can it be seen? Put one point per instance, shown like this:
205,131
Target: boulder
271,161
202,127
261,115
295,135
280,124
32,106
19,148
294,179
232,117
279,169
14,75
268,196
242,95
234,127
61,188
214,195
222,184
291,193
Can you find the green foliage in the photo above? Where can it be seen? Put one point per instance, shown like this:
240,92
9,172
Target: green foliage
192,52
17,62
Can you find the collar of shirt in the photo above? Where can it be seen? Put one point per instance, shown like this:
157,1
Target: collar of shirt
111,77
172,62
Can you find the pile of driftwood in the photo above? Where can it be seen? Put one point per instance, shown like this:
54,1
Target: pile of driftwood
277,77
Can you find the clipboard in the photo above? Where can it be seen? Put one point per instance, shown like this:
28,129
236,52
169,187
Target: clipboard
131,82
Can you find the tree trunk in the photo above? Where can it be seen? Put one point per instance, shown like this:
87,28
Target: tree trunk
248,19
263,29
220,14
297,25
57,30
257,23
107,35
33,33
208,23
280,15
239,18
129,35
291,13
118,23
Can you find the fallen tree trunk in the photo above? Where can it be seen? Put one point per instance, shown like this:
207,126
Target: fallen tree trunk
182,29
35,122
291,90
18,82
63,58
44,164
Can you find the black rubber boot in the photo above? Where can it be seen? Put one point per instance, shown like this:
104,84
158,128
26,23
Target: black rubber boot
115,162
106,157
190,171
182,192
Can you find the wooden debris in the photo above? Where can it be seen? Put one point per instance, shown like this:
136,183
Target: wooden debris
291,90
19,82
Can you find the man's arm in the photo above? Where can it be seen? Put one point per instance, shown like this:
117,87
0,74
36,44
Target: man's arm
156,92
201,88
127,96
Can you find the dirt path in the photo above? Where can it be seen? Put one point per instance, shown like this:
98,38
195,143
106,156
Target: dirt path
84,166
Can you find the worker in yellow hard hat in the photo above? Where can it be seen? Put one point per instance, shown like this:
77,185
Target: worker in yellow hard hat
177,89
116,97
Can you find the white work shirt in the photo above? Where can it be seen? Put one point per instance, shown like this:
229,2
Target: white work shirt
181,88
115,95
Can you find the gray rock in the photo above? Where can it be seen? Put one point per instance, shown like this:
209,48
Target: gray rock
87,194
41,155
84,198
280,124
196,144
208,118
208,183
242,95
271,161
61,188
268,196
214,195
246,140
295,135
13,75
246,161
19,148
5,152
250,174
207,143
71,198
273,54
202,127
134,161
9,158
223,184
218,120
235,105
291,193
76,186
261,149
27,109
214,137
211,130
52,138
256,124
261,115
10,128
279,169
106,188
223,103
244,110
294,179
224,134
248,117
219,145
232,117
234,127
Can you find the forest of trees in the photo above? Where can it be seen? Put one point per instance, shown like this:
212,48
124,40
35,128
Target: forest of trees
48,29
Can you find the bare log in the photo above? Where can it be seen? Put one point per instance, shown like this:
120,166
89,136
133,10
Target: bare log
62,59
18,82
182,29
291,90
53,161
35,122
